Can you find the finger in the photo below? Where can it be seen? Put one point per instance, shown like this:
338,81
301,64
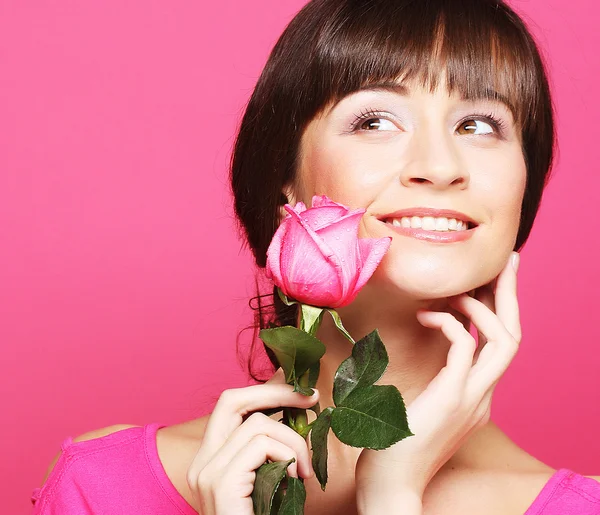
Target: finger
507,304
235,403
260,449
237,481
259,424
500,349
485,295
277,378
462,343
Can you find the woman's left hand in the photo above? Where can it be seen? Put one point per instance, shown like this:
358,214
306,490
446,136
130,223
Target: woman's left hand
454,404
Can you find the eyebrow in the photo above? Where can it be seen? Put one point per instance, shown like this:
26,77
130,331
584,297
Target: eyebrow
486,94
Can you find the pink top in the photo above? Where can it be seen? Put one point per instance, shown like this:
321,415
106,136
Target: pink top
121,474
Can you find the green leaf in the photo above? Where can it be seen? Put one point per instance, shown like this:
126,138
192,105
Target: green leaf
366,365
278,497
285,299
295,350
294,499
338,323
311,318
268,477
318,441
373,417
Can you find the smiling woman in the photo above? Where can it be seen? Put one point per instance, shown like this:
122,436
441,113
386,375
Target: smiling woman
440,160
434,119
385,46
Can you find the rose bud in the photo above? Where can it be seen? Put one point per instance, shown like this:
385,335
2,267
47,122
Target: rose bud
316,256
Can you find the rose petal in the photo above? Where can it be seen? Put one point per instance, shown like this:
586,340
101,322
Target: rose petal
273,268
307,262
300,207
321,294
342,237
324,211
371,253
324,200
322,216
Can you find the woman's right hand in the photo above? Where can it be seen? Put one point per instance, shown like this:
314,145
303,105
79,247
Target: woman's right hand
222,475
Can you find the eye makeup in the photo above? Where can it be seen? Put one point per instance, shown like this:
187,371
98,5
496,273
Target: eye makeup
365,114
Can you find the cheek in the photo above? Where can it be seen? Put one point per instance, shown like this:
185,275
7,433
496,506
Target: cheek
501,190
345,173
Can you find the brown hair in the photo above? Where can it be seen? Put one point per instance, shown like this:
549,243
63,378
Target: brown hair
335,47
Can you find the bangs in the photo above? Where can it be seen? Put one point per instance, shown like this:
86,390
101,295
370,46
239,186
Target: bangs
482,52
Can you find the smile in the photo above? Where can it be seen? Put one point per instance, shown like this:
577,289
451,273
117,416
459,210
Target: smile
433,229
429,223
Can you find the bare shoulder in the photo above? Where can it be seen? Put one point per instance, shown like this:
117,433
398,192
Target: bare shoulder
177,446
91,435
494,476
495,492
492,491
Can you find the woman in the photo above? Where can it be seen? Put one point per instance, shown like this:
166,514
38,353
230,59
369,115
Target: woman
427,116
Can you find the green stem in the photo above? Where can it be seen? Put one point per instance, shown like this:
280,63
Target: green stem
298,416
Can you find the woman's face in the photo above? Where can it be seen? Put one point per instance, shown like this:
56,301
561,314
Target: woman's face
402,148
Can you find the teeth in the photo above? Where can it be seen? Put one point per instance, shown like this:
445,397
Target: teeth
429,223
441,224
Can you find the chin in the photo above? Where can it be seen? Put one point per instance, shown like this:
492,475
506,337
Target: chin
423,280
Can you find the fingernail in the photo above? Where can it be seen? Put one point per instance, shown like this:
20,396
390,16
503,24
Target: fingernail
515,260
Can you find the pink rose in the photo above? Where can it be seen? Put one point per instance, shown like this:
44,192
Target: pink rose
316,256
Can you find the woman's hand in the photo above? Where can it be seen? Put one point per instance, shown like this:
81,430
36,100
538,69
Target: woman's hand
221,477
454,404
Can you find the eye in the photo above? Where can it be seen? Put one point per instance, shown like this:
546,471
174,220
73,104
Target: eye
473,125
483,126
376,124
370,120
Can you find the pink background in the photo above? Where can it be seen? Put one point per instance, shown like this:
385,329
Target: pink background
123,282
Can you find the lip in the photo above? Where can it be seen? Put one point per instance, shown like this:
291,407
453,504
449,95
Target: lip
434,236
431,236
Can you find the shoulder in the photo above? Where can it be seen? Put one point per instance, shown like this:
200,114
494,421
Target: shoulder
595,478
177,446
91,435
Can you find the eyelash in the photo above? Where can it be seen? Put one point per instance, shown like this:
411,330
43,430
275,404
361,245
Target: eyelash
367,114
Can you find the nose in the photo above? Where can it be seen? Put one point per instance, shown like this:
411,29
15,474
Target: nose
434,160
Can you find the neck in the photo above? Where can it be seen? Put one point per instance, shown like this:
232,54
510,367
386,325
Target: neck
416,353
